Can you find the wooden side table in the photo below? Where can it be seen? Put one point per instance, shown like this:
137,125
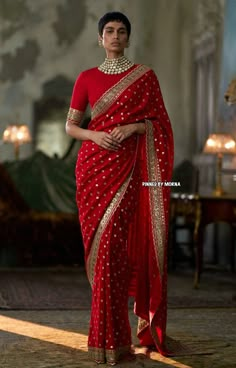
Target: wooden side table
186,207
211,210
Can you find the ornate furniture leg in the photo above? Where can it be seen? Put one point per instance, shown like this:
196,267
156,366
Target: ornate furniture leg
198,242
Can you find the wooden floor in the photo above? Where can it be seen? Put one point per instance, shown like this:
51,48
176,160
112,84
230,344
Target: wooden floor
57,338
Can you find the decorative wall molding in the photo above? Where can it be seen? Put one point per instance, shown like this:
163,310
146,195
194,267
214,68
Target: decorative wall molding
209,18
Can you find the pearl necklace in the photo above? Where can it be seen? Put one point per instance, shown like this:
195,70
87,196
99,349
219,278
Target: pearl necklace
115,66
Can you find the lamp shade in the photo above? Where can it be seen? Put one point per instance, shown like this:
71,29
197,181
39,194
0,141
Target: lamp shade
17,133
220,143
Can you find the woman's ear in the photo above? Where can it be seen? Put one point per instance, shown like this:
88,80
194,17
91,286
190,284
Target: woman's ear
99,40
127,44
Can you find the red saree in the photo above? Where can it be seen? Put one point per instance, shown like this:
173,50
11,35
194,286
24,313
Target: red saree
123,210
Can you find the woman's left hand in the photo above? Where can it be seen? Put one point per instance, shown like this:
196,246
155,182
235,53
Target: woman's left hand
123,132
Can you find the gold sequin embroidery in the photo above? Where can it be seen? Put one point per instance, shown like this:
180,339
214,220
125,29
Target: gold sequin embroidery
75,116
92,258
102,355
91,263
110,96
156,198
142,324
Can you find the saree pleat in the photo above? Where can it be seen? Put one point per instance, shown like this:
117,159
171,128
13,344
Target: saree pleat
124,224
153,313
110,290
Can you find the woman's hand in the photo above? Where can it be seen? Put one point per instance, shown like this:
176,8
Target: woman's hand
105,140
121,133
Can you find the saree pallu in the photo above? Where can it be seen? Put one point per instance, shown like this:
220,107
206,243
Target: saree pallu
125,223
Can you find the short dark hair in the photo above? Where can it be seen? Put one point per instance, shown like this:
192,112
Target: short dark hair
111,17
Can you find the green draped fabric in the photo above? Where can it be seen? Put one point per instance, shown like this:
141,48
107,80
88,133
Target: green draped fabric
45,183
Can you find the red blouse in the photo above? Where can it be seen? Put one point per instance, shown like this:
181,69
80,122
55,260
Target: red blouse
90,86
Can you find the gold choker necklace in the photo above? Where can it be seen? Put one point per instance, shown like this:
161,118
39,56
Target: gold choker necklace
115,66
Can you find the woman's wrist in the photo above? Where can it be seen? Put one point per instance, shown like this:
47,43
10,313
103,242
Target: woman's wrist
90,135
140,128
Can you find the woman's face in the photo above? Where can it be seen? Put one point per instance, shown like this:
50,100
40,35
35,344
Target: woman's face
115,37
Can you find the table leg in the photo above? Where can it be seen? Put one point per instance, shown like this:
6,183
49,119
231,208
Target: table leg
198,246
233,245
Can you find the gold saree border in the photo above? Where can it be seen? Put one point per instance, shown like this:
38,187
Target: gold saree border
157,216
109,97
156,198
74,115
92,258
142,325
102,355
91,262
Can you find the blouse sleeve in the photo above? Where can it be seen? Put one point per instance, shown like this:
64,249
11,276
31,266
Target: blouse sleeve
79,100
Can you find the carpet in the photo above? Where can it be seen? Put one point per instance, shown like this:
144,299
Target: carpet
44,289
54,339
60,289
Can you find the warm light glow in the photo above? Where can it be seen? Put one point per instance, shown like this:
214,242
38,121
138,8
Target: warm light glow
70,339
220,143
169,361
45,333
17,133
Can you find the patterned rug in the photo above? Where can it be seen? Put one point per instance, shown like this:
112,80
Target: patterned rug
60,289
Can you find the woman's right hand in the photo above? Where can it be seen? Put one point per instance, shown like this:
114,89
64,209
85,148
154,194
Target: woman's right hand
105,140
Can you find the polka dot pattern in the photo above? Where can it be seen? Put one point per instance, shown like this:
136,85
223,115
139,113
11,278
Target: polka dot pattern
109,314
99,175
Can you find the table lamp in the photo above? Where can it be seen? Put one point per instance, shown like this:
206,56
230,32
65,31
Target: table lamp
219,144
17,134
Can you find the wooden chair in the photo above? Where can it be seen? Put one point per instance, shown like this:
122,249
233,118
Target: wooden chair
184,209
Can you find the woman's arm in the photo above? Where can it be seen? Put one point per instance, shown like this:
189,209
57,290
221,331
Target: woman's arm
79,101
120,133
102,139
76,132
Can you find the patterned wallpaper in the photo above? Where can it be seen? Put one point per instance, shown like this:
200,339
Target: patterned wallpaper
40,42
228,70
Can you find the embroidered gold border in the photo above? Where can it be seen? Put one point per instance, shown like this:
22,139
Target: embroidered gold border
156,198
92,258
142,324
102,355
75,116
108,98
157,210
91,262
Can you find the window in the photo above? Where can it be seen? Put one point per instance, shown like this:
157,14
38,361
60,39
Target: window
205,81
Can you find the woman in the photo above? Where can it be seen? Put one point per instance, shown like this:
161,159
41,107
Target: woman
125,158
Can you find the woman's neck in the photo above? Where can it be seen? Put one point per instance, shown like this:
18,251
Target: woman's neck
114,55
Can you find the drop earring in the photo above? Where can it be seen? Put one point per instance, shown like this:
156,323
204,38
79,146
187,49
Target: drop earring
100,42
